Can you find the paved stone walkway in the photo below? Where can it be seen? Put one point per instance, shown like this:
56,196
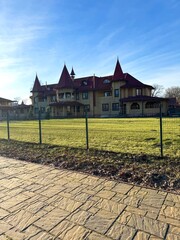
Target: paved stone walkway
40,202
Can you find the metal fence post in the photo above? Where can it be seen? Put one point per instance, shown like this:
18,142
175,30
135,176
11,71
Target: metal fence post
8,130
87,138
161,130
40,132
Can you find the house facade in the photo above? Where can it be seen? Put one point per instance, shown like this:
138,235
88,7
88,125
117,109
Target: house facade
22,112
6,105
116,95
14,110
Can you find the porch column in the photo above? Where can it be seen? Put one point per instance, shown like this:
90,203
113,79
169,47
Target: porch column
75,111
63,111
142,105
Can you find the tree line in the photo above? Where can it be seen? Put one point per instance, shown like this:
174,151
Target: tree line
171,92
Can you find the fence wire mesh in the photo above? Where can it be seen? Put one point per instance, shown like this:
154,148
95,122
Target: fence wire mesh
122,135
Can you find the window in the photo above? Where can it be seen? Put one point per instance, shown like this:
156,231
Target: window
115,106
61,95
77,96
85,95
68,95
84,83
42,109
87,108
68,108
135,106
106,81
53,98
107,93
36,110
78,108
138,92
116,92
152,105
105,107
42,99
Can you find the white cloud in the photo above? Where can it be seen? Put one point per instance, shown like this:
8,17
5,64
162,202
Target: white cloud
42,39
168,77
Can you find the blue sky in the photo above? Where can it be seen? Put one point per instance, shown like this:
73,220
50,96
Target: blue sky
40,36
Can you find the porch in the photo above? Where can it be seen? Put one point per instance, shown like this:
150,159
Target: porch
66,109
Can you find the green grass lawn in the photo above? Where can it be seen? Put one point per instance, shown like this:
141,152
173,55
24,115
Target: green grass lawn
126,135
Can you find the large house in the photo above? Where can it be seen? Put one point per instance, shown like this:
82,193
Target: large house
119,94
14,110
5,106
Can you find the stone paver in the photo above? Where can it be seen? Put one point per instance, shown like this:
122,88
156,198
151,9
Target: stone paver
43,203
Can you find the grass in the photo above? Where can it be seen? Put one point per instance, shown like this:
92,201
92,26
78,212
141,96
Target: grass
131,135
120,149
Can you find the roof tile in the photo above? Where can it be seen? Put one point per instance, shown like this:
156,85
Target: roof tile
65,80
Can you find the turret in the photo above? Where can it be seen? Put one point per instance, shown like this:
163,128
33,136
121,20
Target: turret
118,73
72,74
37,85
65,80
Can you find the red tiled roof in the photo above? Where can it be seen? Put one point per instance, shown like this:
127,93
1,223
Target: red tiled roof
118,73
37,85
72,72
132,82
101,84
84,84
49,89
90,83
65,80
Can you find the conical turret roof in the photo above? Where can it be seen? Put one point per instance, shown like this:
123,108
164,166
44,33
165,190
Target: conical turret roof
118,73
65,80
72,72
37,85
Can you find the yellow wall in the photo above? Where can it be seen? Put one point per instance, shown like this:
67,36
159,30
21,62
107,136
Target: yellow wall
96,107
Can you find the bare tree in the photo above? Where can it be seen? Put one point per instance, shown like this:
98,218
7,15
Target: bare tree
157,91
173,92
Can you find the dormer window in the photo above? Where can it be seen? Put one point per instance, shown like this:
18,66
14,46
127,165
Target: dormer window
84,83
106,81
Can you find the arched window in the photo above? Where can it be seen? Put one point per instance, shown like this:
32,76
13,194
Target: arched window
106,81
152,105
135,106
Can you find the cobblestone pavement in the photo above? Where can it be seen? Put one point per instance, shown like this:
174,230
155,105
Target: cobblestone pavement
41,202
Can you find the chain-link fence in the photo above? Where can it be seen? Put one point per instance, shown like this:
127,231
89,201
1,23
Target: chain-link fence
156,136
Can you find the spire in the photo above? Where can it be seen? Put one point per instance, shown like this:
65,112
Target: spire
37,85
65,80
72,73
118,73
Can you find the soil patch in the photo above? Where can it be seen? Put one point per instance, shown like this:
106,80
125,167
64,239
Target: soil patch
143,170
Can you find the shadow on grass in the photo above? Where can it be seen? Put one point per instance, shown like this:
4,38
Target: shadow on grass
149,139
27,150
